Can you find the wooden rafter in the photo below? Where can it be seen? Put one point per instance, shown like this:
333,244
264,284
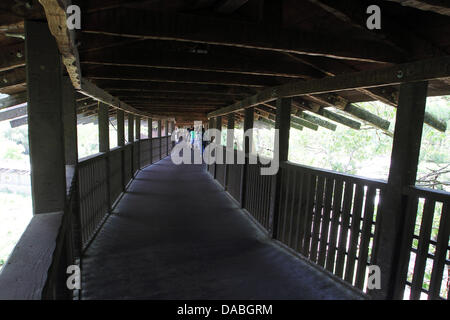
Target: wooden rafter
229,6
91,90
12,78
387,95
394,32
178,76
437,6
148,57
189,88
416,71
12,56
55,10
13,100
213,31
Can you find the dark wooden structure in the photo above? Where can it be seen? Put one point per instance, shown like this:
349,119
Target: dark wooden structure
284,63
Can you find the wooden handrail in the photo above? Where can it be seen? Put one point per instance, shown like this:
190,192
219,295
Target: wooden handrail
333,174
436,195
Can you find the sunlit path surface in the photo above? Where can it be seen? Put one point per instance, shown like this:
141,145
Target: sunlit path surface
177,235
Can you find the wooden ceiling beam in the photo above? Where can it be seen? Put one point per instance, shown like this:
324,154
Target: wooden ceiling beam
338,102
56,12
177,76
211,30
13,100
19,122
143,87
387,95
316,108
13,113
271,122
91,90
299,116
178,96
149,57
393,31
423,70
12,78
12,56
138,99
436,6
229,6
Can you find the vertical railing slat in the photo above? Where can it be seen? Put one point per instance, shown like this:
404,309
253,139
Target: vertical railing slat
354,233
299,230
325,221
422,249
317,218
365,237
336,214
441,252
309,212
344,230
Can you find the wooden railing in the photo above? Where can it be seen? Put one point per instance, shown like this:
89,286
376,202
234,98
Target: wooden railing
257,194
221,169
93,195
164,147
145,152
234,177
68,249
116,173
424,267
332,219
98,183
156,149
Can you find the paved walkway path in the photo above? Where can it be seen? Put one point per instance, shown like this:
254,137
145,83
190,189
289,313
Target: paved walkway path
177,235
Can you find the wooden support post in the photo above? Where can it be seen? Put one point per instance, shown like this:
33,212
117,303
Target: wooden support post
121,143
160,139
169,140
69,117
138,141
131,141
230,134
138,128
218,139
249,117
103,137
219,127
130,128
229,154
150,140
211,126
45,119
103,127
120,128
403,170
282,124
70,123
167,137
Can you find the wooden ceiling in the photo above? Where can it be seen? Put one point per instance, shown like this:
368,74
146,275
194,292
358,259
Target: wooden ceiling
185,58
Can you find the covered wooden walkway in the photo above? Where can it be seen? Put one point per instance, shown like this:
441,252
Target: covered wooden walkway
239,65
176,234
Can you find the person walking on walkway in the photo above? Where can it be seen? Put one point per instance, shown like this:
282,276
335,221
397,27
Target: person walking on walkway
192,133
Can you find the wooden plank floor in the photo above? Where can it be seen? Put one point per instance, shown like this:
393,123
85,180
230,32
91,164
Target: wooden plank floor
176,235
